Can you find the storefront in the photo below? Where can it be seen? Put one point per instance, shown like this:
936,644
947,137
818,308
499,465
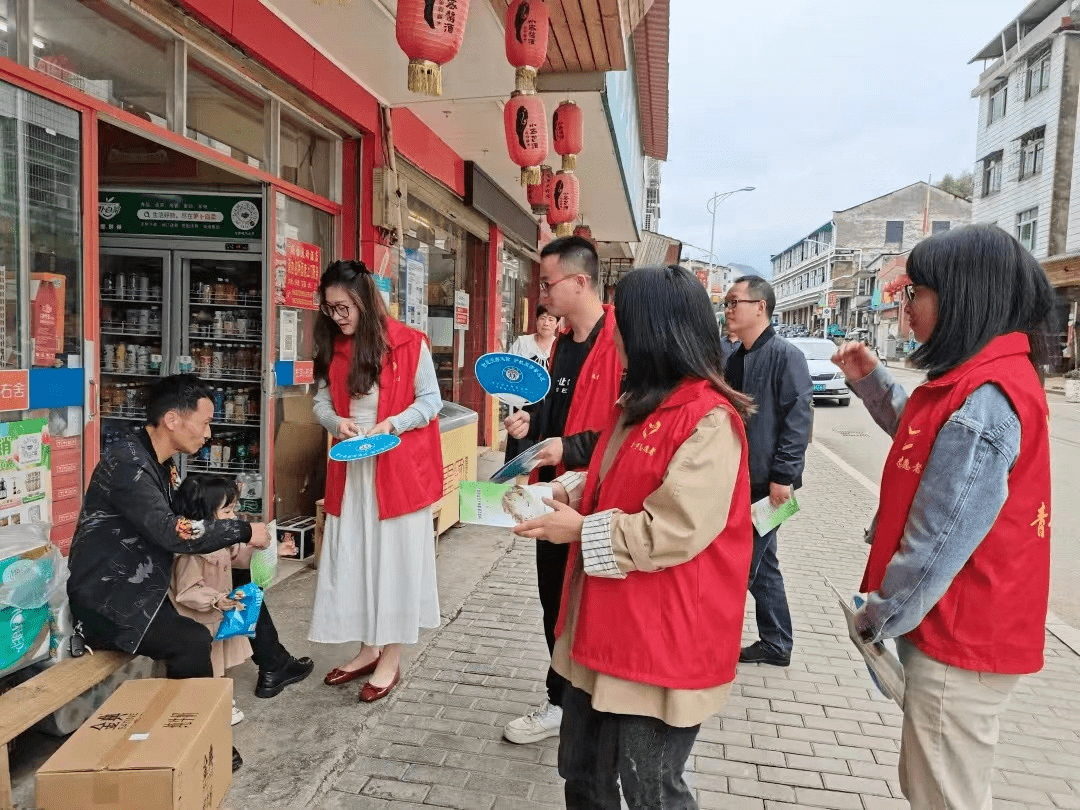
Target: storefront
168,202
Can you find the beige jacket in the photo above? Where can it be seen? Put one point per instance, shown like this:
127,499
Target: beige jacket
672,528
199,583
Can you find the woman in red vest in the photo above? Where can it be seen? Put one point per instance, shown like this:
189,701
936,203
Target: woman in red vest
376,580
959,565
651,620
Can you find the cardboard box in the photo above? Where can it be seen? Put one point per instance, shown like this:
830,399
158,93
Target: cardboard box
299,459
156,744
302,532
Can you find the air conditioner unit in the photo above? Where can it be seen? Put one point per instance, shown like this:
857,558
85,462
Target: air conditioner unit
389,199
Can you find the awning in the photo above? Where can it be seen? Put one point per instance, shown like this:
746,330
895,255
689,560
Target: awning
655,250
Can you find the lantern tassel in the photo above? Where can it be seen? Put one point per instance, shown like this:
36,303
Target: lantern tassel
530,175
425,77
569,163
564,229
525,80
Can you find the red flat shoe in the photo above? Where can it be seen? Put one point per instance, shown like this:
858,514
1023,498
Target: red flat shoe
336,677
369,693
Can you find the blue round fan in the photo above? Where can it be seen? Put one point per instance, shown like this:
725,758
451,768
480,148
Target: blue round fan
515,380
360,447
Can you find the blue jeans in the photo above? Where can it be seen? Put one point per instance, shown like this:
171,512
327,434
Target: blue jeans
770,598
598,750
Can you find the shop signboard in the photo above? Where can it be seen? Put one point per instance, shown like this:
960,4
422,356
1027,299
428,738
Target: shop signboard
14,390
205,215
303,268
461,309
415,289
703,277
832,300
24,472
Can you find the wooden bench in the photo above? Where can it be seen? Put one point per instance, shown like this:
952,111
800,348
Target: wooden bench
42,695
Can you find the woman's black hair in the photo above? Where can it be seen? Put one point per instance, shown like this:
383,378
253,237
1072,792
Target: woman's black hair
670,334
987,285
200,495
369,340
540,310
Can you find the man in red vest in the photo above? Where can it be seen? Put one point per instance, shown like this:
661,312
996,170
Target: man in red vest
585,378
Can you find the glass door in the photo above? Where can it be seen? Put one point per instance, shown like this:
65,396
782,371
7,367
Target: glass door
219,335
135,327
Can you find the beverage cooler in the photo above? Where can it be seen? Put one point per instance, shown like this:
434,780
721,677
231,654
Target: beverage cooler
169,310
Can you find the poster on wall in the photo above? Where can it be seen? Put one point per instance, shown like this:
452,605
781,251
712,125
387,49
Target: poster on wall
303,268
415,289
24,472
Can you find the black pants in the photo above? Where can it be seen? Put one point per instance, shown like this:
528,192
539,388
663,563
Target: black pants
181,643
550,568
600,750
266,649
770,597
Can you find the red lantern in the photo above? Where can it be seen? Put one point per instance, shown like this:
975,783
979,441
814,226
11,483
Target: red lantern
565,197
525,122
526,40
538,193
584,231
568,129
430,33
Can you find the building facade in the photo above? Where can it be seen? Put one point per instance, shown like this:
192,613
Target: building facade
825,281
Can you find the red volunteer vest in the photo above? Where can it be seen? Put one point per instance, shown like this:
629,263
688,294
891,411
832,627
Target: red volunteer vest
409,477
679,627
597,387
993,616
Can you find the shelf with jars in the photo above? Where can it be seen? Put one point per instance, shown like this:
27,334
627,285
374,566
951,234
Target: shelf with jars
232,451
132,286
222,293
217,324
131,359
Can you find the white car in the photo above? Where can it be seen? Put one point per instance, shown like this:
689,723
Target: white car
829,382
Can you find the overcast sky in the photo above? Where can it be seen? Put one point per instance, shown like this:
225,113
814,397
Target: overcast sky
821,106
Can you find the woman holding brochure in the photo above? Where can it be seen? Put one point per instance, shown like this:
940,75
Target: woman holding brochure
376,582
959,565
660,536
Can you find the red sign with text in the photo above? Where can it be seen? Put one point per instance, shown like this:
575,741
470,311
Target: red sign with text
303,372
303,268
15,390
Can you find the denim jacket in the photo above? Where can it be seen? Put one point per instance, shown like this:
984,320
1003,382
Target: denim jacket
960,495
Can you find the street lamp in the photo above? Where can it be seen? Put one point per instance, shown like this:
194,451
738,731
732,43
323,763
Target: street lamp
710,206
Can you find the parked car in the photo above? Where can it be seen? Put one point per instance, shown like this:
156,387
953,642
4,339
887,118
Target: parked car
829,382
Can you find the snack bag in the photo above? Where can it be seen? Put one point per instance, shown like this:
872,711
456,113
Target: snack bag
241,621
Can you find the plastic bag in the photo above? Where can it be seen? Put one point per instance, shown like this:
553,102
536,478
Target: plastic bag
32,578
241,621
264,561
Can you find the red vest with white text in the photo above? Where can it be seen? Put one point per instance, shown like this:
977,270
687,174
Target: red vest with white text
409,477
679,627
993,616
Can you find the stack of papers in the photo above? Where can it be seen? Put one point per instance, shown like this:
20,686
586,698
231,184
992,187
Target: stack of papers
489,504
885,668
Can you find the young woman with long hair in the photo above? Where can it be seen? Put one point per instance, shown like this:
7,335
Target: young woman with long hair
376,580
959,566
661,538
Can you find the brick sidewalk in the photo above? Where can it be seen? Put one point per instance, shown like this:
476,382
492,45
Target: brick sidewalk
817,734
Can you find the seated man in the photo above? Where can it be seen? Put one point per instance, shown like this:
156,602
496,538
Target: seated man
122,554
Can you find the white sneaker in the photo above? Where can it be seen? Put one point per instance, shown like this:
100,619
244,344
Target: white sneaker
237,715
539,724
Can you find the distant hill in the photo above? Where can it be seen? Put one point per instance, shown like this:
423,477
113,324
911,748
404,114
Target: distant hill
747,270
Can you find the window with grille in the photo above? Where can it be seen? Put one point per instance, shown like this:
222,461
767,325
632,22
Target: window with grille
998,98
894,232
1031,152
991,173
1026,224
1038,73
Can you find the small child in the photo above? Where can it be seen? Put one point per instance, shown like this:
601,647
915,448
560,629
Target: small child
202,583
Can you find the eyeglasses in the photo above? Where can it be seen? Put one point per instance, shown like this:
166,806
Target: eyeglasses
546,285
340,310
731,303
909,291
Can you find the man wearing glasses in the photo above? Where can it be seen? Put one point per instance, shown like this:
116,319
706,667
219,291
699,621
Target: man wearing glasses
585,379
775,374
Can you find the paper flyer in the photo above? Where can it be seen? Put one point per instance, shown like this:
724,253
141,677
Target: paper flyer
885,668
522,464
488,504
767,517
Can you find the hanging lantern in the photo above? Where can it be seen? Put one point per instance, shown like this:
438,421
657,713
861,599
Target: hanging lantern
585,232
430,33
526,40
538,193
565,197
525,121
568,131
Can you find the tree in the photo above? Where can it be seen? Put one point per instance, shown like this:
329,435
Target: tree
962,184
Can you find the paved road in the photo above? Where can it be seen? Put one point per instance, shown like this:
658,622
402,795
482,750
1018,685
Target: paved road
851,433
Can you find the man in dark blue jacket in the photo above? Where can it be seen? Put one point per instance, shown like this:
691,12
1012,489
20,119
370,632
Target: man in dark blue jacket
775,374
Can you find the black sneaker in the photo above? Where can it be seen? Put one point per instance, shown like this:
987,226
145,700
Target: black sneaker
758,653
237,760
272,681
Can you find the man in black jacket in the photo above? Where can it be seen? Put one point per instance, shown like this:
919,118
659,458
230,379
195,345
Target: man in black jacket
775,374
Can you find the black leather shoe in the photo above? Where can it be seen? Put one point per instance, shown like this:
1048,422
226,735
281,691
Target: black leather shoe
758,653
237,760
272,681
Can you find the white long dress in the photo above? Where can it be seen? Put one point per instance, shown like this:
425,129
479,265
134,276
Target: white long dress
376,581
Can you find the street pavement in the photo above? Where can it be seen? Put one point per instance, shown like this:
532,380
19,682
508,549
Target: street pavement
816,734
